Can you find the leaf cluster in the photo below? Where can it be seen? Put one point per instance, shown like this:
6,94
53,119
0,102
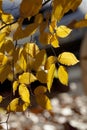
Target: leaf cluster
25,64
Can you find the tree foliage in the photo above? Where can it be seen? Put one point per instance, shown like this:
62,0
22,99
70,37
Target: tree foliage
25,64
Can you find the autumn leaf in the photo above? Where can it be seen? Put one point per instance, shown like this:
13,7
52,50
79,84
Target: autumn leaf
78,24
67,58
40,90
7,18
50,76
15,86
23,60
22,33
39,60
63,75
24,93
63,31
44,101
30,8
50,60
31,49
26,78
13,105
42,76
1,98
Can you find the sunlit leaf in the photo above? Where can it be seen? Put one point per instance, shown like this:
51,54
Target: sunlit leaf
7,18
50,76
63,31
50,60
24,93
23,60
44,101
31,48
42,76
63,75
4,71
40,90
67,58
2,38
1,98
54,41
13,105
27,78
15,86
3,59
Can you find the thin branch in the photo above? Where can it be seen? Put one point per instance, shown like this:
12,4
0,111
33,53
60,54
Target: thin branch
7,25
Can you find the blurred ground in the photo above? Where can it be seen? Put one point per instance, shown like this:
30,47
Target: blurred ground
69,110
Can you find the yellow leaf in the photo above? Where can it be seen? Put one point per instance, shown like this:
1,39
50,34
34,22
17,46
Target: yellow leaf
7,18
3,59
44,101
40,90
22,61
13,105
30,8
60,7
2,38
67,58
24,93
27,78
1,98
15,86
39,60
4,71
85,16
50,60
31,48
50,76
54,41
52,26
63,75
7,47
42,76
63,31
